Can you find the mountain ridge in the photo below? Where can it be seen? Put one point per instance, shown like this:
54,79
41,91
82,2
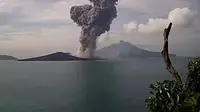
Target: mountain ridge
58,56
125,50
121,50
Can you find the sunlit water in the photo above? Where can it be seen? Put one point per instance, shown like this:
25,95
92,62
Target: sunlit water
96,86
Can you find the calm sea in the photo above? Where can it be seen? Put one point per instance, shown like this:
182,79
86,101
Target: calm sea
95,86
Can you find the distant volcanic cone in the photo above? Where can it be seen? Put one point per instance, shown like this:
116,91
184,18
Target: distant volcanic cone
94,20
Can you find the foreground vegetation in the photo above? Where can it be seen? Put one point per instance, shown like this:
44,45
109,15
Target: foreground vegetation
169,96
176,96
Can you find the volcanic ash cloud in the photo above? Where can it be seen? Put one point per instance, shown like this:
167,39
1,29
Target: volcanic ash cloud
94,20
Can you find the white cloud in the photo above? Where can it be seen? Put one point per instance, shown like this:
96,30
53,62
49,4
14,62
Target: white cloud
184,37
153,25
34,27
132,26
180,17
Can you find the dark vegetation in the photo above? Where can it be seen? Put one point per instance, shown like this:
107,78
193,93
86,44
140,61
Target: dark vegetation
176,96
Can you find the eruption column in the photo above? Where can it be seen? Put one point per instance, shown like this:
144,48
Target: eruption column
94,20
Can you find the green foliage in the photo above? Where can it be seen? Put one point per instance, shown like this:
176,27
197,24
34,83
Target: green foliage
190,104
193,80
164,96
168,96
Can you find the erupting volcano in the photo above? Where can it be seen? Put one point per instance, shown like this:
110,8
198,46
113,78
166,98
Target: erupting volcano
94,20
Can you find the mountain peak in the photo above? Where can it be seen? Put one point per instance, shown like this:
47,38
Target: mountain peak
121,41
125,45
125,49
124,42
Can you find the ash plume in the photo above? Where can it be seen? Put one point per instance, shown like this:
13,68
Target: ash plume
94,20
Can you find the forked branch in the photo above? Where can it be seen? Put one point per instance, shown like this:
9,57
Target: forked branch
165,54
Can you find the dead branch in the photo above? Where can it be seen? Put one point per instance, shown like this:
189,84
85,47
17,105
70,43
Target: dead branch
165,54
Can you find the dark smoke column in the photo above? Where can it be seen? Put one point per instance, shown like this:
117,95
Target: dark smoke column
94,20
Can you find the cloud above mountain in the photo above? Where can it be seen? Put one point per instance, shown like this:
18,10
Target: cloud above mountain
35,27
185,34
180,17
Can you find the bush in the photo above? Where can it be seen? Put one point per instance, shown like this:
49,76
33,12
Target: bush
169,96
193,80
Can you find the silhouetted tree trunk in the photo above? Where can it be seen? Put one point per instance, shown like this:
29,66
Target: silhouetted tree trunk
165,54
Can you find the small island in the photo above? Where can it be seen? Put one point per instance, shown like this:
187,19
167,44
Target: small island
7,57
58,56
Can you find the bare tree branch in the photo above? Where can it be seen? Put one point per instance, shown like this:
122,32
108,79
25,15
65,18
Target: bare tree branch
165,54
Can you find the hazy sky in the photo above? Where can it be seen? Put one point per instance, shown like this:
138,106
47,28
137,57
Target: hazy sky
36,27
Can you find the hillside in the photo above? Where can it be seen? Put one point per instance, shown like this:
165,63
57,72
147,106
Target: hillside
126,50
7,57
59,56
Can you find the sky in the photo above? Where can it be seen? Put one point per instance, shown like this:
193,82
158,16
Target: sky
36,27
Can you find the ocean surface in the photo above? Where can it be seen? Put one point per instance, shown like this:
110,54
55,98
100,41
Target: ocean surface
93,86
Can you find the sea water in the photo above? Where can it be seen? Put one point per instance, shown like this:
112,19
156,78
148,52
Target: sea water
89,86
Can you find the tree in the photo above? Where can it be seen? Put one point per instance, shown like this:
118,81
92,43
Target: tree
174,96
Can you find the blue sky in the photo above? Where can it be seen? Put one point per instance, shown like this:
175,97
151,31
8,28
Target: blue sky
36,27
